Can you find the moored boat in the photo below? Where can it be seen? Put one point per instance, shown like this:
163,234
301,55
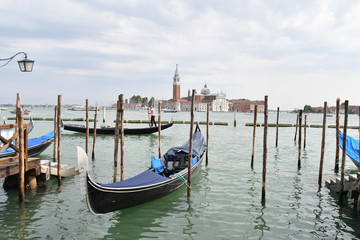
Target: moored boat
165,176
111,130
352,149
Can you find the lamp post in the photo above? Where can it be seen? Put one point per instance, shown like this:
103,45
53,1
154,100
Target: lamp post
25,65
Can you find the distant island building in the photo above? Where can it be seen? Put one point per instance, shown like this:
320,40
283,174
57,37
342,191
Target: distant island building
216,101
246,105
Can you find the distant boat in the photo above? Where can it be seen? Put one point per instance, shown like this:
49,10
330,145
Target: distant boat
3,108
111,130
26,112
81,108
170,111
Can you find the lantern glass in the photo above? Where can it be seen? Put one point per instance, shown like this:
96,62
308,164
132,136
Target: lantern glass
26,65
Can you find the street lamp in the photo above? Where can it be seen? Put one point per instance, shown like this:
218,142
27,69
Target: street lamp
25,65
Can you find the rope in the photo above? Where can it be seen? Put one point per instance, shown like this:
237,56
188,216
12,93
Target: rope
181,178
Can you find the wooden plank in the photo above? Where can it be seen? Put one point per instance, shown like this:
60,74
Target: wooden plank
7,143
12,168
13,125
7,126
8,159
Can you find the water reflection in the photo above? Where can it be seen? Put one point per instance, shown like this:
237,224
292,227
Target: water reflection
159,217
297,186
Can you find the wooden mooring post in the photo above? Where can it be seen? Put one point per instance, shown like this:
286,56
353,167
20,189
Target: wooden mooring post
296,126
322,145
207,133
263,193
55,138
159,128
299,139
94,133
337,147
191,143
235,111
305,126
58,122
116,144
254,137
87,126
277,127
343,157
20,145
122,137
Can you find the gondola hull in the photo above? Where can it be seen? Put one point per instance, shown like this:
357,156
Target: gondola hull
166,174
102,199
32,151
110,130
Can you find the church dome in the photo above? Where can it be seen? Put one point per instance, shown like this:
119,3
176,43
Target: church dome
205,90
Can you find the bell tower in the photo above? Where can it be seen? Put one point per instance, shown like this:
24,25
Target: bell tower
176,84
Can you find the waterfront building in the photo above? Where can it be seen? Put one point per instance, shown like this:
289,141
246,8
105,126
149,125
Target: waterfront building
216,101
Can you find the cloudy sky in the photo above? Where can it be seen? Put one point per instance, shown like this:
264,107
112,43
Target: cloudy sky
296,52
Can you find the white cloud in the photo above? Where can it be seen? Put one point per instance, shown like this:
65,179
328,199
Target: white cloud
245,48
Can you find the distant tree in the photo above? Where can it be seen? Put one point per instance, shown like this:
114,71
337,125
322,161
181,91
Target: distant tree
144,102
136,99
307,108
152,101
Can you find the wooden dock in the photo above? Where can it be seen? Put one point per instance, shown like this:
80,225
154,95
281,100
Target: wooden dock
350,188
10,166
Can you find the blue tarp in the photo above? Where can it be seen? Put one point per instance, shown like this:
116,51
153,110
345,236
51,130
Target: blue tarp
156,164
352,148
145,178
34,141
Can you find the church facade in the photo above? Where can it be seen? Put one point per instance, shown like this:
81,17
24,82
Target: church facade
216,102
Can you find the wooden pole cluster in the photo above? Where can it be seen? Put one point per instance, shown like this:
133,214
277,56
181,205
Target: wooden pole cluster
264,152
122,137
277,127
116,144
337,153
159,128
87,126
94,134
58,135
207,133
322,145
299,140
254,137
343,157
191,143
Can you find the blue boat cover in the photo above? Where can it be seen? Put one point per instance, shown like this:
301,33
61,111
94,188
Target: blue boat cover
34,141
352,147
145,178
198,146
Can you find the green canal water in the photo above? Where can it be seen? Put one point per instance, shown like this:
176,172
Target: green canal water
226,195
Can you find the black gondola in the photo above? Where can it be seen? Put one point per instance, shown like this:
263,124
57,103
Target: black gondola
111,130
165,176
